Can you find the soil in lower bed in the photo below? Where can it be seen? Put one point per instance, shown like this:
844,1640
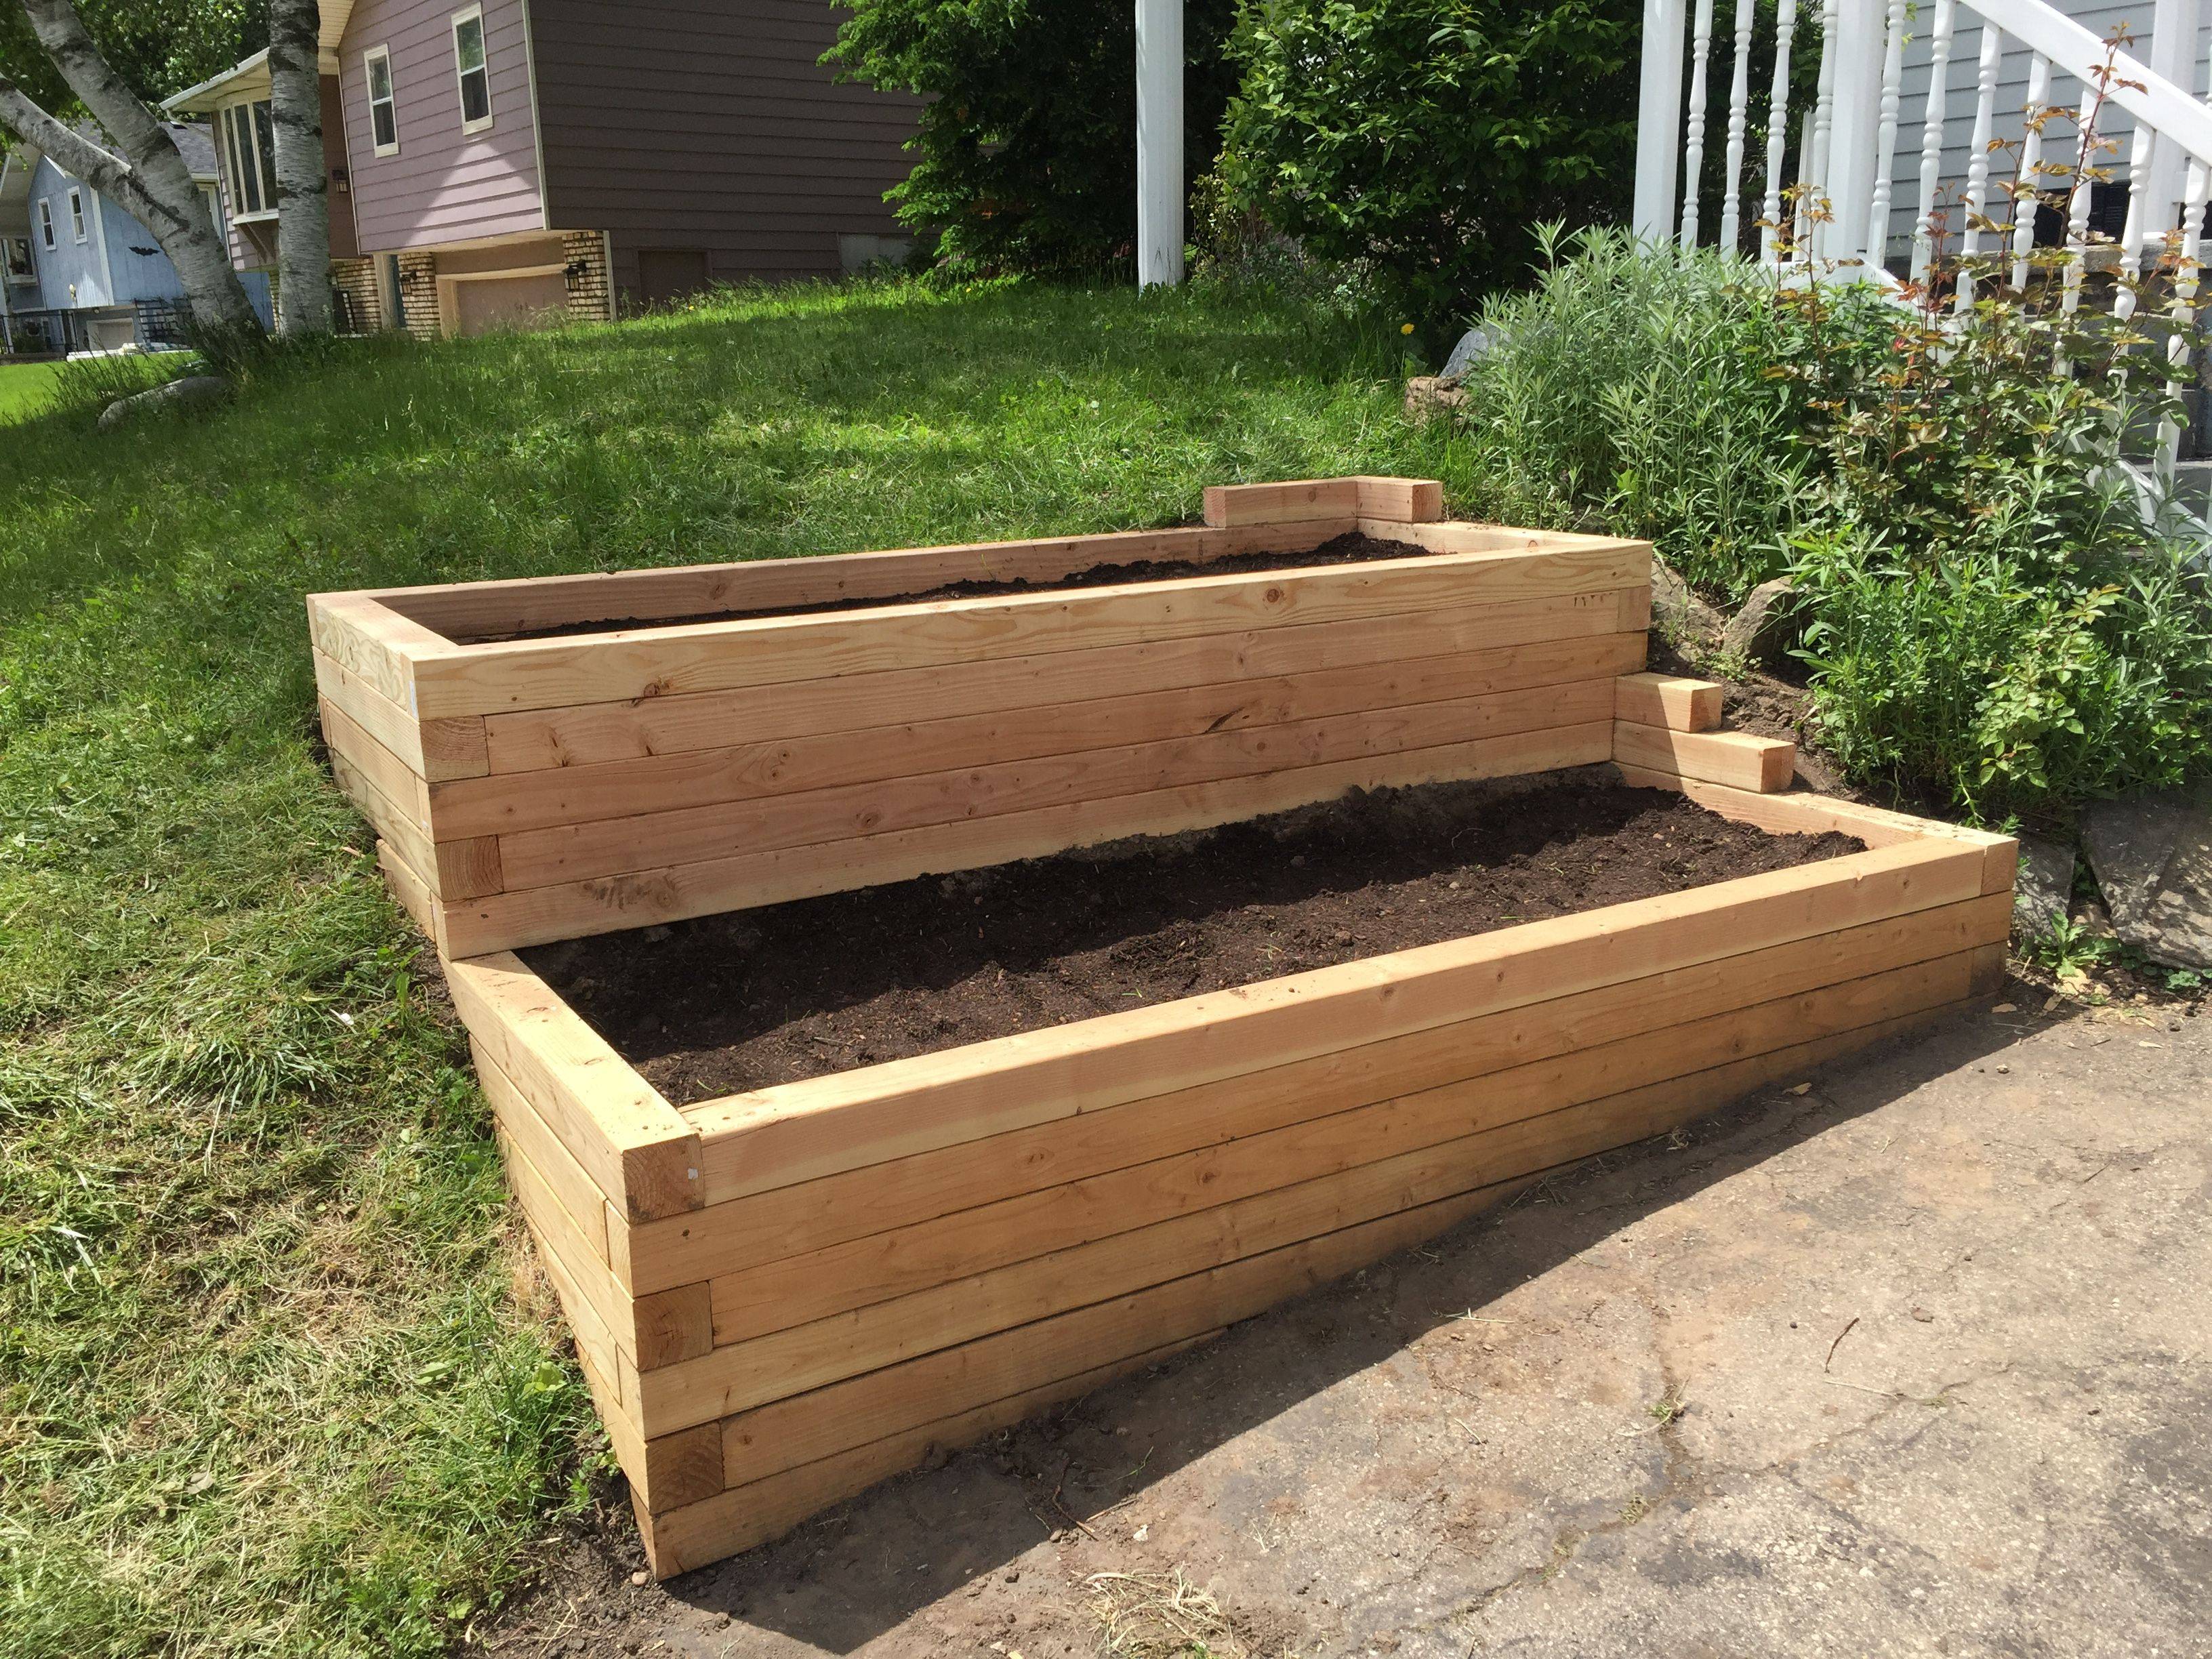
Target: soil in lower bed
1351,548
753,998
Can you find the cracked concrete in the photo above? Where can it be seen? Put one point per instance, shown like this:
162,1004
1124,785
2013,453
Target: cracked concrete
1918,1362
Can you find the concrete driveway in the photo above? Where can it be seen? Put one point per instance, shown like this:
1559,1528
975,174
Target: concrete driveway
1917,1361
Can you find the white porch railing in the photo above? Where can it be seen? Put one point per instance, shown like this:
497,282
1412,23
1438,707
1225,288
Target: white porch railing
1847,142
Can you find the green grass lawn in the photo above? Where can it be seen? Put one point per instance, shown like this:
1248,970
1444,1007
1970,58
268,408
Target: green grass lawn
23,388
272,1375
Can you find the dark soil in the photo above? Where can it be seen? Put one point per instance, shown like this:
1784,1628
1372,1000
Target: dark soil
753,998
1351,548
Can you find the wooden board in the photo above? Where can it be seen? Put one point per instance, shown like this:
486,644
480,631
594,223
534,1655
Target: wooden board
603,904
1283,503
1738,759
647,839
580,792
796,1254
798,1132
1669,700
648,662
1488,636
464,610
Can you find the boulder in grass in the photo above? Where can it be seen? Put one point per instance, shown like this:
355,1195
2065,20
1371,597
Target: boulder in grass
2153,859
1769,625
190,392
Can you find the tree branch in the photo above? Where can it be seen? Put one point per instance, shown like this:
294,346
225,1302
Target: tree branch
70,149
105,93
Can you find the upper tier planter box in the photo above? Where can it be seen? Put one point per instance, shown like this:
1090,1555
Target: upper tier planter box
551,759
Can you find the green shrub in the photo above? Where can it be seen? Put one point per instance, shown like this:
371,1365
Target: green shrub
1993,626
1026,152
1426,137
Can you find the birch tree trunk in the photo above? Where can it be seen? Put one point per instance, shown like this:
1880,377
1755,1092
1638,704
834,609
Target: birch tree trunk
149,179
303,206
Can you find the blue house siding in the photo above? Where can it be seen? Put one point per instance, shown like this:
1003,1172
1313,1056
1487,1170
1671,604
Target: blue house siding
71,274
117,264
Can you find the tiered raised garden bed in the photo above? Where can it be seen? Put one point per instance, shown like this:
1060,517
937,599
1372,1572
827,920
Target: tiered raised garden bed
782,1295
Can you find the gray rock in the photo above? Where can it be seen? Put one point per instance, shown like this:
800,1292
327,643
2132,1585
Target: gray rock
1678,613
190,392
2044,888
2153,858
1769,625
1473,346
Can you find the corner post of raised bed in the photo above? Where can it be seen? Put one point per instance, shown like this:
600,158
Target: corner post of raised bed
1394,501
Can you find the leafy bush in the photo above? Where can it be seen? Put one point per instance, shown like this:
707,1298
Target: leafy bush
1425,137
1993,625
1027,148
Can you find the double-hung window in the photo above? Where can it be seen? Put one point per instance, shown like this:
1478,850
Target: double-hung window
46,222
383,106
471,65
76,213
249,150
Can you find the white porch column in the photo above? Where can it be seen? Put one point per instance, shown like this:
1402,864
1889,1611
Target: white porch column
1659,120
1159,142
1862,29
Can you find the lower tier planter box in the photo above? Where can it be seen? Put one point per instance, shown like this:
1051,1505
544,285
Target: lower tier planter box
545,759
781,1296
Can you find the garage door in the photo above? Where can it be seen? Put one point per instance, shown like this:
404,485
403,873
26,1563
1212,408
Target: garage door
484,303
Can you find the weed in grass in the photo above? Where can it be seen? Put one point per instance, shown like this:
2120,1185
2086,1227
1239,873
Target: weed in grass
267,1384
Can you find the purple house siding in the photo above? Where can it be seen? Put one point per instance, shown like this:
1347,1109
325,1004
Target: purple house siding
444,185
713,129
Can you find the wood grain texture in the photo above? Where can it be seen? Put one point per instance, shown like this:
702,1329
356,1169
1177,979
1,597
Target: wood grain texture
638,1150
578,793
647,839
1738,759
605,904
1379,1178
1669,700
1401,500
1282,503
648,662
997,1200
413,893
1488,636
801,1131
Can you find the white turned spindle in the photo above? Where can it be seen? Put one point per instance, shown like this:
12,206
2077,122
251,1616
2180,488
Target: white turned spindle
1824,119
1777,130
2077,200
2027,199
1739,125
1885,149
2184,307
1978,160
2131,233
1693,145
1931,139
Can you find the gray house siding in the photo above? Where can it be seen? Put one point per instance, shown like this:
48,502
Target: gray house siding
688,128
71,274
444,185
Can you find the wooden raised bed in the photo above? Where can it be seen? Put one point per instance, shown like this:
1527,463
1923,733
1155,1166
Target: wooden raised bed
782,1297
529,790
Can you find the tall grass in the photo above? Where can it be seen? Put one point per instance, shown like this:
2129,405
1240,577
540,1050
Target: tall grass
268,1384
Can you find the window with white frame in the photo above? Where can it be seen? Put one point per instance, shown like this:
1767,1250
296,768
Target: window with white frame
20,268
46,222
76,213
382,107
474,69
249,150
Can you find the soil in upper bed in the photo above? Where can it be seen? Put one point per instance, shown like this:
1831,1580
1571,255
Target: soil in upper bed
1351,548
750,999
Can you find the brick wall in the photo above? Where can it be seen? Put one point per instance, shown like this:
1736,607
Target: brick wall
356,279
419,294
591,296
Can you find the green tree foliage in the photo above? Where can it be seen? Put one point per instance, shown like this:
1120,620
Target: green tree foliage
158,46
1026,152
1430,137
